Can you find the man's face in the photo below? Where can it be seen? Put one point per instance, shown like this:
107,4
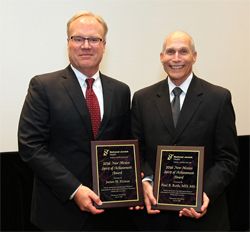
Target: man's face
178,57
84,55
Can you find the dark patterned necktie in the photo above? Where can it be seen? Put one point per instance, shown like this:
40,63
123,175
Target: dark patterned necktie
93,106
176,104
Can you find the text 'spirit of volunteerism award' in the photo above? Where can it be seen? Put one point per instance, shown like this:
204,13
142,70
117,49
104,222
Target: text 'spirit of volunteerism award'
179,177
116,173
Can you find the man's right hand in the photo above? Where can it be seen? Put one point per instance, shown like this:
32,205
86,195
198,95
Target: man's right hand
85,197
149,198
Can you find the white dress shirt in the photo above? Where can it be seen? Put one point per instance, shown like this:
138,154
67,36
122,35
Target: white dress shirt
97,86
184,87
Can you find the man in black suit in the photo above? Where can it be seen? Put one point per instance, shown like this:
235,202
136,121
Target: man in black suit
55,131
206,119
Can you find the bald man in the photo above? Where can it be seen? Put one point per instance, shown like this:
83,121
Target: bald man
206,119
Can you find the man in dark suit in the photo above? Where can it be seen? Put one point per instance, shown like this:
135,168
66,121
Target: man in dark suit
55,131
206,119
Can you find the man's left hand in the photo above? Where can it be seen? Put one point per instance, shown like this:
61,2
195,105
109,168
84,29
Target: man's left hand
192,213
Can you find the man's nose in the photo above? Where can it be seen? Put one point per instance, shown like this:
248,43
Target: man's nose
176,56
85,43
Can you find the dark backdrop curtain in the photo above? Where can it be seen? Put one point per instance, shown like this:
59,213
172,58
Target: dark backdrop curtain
17,181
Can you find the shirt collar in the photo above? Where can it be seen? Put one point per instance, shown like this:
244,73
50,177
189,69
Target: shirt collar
184,86
81,77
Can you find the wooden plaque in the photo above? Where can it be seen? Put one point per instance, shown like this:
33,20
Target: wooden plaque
178,180
116,173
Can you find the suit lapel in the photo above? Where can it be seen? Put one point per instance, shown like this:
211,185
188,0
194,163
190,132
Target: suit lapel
107,88
74,90
191,103
164,107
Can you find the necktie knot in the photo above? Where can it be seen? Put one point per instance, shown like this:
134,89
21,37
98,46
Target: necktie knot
90,82
177,91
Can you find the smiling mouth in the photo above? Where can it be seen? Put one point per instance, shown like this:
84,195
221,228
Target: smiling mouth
85,55
176,67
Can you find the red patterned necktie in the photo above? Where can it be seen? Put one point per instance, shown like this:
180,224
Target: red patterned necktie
93,105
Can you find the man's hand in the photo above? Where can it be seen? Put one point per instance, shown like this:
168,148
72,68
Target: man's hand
192,213
138,207
85,197
149,198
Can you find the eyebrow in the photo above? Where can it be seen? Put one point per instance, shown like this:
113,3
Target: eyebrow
173,48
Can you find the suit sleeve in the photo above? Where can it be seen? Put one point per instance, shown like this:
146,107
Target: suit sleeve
137,133
34,141
126,125
226,155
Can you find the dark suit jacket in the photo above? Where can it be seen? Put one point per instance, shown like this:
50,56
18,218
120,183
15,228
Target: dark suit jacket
207,119
54,139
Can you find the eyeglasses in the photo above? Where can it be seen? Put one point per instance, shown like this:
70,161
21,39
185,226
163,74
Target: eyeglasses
79,40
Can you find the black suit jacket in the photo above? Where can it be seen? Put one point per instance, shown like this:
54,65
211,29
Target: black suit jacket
207,119
54,139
